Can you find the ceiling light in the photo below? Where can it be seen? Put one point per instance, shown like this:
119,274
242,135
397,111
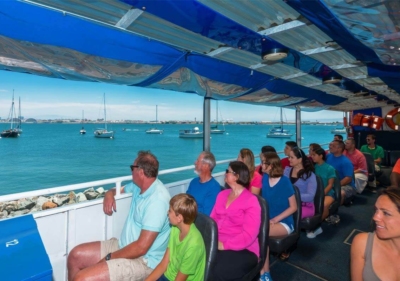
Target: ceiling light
275,54
332,79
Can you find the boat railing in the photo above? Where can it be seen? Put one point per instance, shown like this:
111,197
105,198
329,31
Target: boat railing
117,182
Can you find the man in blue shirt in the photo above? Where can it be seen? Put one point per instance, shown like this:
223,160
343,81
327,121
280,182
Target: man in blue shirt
144,237
204,188
343,165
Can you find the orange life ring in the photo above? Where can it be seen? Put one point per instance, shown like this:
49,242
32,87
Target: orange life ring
389,119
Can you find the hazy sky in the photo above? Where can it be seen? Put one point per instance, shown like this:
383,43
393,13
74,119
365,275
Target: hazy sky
44,98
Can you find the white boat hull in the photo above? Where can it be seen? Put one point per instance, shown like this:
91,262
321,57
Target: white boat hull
154,132
280,135
191,135
220,132
104,134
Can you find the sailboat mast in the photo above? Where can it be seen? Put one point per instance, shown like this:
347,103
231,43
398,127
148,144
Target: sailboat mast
156,114
217,112
281,119
19,113
12,112
105,114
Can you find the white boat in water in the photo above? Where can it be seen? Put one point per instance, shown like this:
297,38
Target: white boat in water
12,132
155,131
103,132
215,129
193,133
339,131
279,131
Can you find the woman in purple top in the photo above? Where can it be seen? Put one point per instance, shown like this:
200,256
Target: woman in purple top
237,213
301,174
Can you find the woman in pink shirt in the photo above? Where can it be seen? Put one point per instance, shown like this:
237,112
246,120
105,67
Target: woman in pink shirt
247,157
238,217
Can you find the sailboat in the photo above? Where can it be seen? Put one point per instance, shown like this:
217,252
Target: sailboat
82,131
103,132
155,131
12,132
19,126
278,131
214,129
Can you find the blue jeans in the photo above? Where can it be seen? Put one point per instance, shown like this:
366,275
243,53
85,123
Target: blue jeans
163,278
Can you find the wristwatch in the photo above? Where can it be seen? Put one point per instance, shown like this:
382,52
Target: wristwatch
108,257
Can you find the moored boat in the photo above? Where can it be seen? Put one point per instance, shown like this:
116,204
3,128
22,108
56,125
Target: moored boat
193,133
11,132
103,132
278,131
339,131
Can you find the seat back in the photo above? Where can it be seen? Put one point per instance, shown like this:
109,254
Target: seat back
394,155
209,232
297,214
263,236
370,165
319,197
334,207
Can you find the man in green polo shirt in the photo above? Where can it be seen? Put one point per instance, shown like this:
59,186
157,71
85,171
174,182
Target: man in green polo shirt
377,153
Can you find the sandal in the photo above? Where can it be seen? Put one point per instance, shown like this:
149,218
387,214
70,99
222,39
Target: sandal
284,256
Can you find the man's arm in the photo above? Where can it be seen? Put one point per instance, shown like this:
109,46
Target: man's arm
345,181
109,205
160,268
137,248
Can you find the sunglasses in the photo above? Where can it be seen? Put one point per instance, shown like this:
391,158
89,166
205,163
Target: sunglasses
133,167
227,172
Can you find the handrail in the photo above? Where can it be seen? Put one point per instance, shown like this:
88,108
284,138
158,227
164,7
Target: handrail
117,181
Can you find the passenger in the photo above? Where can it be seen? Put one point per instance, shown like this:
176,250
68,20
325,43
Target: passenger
344,167
328,175
247,157
264,149
204,188
375,256
395,175
338,137
377,153
312,147
301,174
143,239
185,257
359,164
278,192
237,213
288,147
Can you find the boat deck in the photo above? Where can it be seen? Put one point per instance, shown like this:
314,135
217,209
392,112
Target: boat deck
327,257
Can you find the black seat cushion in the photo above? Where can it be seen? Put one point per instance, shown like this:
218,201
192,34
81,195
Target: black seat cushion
209,232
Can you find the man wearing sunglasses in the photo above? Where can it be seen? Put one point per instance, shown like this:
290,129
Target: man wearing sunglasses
144,237
204,188
377,153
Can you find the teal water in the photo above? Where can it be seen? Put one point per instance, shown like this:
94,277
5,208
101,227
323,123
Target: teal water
51,155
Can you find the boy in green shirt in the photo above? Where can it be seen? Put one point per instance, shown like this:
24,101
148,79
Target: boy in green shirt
185,257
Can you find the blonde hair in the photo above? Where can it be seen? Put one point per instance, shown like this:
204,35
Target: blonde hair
248,159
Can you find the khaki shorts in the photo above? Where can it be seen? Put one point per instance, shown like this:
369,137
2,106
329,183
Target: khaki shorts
124,269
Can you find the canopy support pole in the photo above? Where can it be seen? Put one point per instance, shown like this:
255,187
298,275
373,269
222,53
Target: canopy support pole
206,120
298,126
